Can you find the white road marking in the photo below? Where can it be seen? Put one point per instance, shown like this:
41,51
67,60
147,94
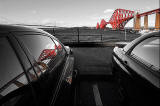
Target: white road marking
97,96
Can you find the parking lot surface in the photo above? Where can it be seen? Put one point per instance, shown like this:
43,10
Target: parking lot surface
96,85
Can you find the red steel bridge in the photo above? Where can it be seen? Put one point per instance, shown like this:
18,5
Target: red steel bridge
120,17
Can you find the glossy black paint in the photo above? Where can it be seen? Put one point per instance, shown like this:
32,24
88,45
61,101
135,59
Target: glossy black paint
139,84
53,87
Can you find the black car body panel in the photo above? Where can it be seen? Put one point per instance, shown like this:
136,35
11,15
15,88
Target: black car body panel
44,88
139,80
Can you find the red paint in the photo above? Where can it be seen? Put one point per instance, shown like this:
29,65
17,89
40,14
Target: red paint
97,27
120,17
103,24
47,54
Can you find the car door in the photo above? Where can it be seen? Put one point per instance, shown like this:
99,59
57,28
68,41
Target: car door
15,86
142,62
43,49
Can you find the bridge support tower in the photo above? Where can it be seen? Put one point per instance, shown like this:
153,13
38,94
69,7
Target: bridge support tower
157,23
146,22
137,22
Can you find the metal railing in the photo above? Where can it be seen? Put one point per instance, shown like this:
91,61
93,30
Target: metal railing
81,35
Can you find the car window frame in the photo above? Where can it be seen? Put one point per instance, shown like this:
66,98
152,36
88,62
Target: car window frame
35,34
12,45
30,56
59,60
26,51
18,52
129,47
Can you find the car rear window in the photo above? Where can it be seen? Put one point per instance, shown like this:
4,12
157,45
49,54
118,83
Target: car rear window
11,72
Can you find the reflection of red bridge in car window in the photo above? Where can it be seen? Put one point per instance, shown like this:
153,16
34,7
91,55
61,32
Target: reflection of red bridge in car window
47,54
59,47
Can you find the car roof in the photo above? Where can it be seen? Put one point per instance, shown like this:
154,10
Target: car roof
16,28
23,29
156,33
152,33
142,37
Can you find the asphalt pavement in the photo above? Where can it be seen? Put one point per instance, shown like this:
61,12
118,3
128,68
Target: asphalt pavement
93,60
96,85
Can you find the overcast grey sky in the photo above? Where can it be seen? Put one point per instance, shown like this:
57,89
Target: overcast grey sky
68,12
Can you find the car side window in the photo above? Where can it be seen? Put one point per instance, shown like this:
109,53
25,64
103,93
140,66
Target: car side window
12,77
58,45
41,47
11,72
32,74
148,51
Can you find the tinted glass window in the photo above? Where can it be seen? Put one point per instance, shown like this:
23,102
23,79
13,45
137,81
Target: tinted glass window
148,50
128,46
58,45
11,72
32,75
41,47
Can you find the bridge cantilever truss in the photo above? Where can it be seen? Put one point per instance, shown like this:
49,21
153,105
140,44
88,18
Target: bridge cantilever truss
120,17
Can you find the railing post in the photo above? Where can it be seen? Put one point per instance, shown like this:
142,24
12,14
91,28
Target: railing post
101,38
53,31
125,35
78,34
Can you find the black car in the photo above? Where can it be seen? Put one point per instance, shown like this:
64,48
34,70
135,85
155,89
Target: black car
35,68
137,69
